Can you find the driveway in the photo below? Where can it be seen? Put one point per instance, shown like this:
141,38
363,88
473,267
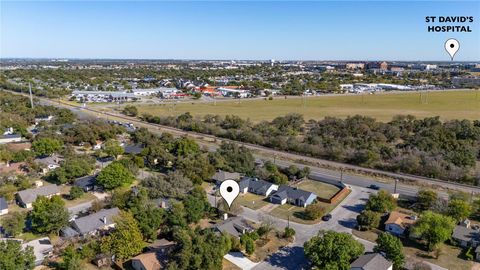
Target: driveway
240,260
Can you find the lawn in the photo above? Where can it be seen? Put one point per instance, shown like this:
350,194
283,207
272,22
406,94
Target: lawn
227,265
450,257
460,104
295,213
265,246
251,201
322,190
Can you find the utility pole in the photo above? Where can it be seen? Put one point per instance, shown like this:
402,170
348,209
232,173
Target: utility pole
395,188
31,97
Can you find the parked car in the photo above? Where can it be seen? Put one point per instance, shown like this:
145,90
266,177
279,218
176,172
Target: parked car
327,217
373,186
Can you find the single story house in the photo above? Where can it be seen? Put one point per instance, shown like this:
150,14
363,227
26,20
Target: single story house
371,261
256,186
3,206
49,163
465,236
9,138
146,261
26,197
221,176
42,248
293,196
87,183
397,223
235,226
100,221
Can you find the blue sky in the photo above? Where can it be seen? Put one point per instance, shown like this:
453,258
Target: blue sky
284,30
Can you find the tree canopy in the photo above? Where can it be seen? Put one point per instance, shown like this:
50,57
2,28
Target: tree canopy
115,175
49,215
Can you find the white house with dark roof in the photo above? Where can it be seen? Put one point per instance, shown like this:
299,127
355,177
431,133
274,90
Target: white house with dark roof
100,221
293,196
256,186
26,197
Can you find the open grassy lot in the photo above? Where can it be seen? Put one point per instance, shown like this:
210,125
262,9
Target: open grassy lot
450,257
323,190
460,104
251,201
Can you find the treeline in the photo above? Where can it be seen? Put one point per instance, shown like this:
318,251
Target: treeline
426,147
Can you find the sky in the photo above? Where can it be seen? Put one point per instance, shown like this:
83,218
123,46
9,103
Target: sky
281,30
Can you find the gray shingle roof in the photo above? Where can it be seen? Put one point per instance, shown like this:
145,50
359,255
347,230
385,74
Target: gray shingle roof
93,222
255,185
235,226
465,234
30,195
372,261
221,176
3,203
85,181
133,148
292,193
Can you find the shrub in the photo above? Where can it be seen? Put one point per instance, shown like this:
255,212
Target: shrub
76,192
289,232
314,211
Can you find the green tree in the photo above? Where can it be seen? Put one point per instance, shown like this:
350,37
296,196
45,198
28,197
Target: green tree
112,148
72,168
289,232
368,220
381,202
332,250
126,240
248,243
196,204
434,228
237,158
114,175
130,110
14,257
314,211
46,146
392,247
458,209
71,259
49,215
426,199
76,192
14,223
177,216
185,146
197,168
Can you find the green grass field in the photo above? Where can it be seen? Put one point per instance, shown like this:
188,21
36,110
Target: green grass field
323,190
460,104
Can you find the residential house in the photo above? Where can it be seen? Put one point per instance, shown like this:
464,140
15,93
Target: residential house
371,261
256,186
92,224
3,206
49,163
156,256
293,196
221,176
87,183
235,226
26,197
43,119
102,260
466,236
397,223
42,248
9,138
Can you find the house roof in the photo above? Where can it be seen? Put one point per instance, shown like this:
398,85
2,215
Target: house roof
85,181
10,136
40,247
95,221
30,195
3,203
161,244
292,193
133,148
463,233
149,260
400,219
372,261
49,160
255,184
221,176
233,226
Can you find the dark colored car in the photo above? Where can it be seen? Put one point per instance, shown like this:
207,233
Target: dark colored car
373,186
327,217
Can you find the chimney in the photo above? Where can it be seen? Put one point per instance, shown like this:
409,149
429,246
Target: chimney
104,219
